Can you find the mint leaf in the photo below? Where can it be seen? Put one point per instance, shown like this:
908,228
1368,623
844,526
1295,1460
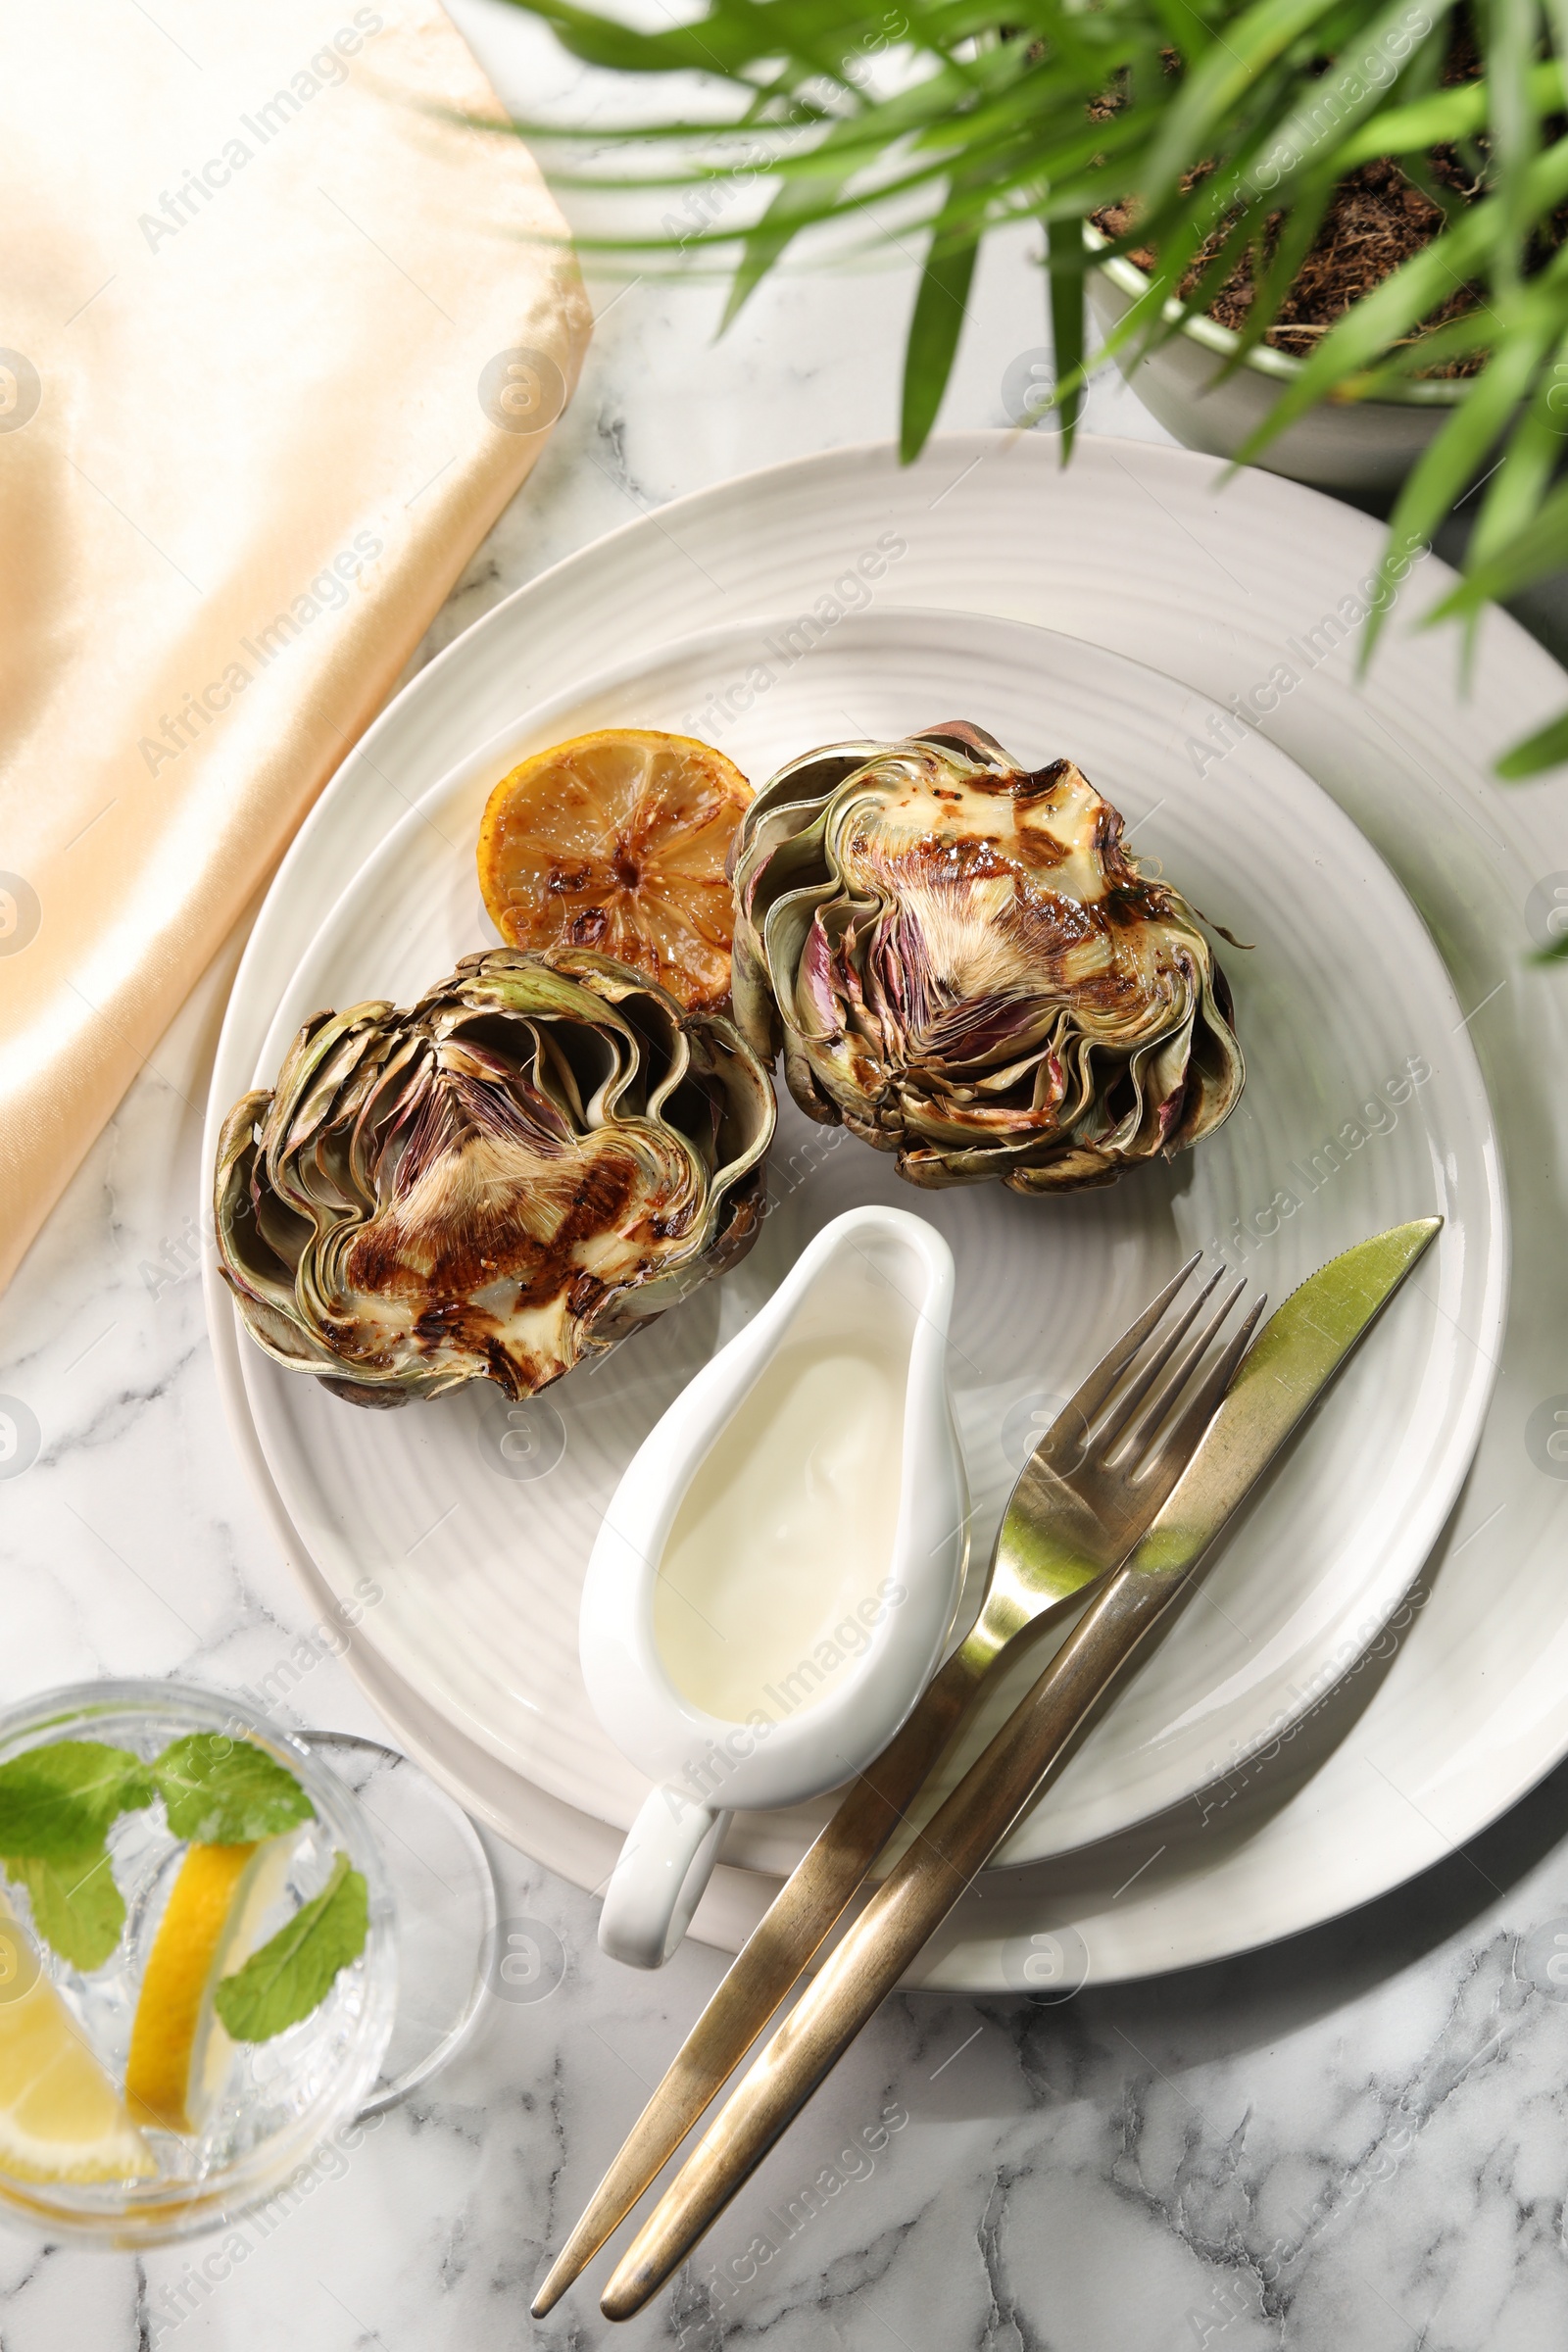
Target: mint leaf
57,1801
76,1907
293,1972
222,1791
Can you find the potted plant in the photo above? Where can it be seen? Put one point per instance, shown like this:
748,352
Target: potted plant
1215,391
1202,176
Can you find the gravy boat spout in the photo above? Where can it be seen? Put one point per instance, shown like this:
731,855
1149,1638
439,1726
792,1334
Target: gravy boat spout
780,1565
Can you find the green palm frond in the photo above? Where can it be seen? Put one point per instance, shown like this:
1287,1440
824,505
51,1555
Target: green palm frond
1219,128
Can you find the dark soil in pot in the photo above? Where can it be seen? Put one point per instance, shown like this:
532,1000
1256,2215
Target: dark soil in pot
1376,220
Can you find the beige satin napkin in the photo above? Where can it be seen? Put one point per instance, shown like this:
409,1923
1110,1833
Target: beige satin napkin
279,339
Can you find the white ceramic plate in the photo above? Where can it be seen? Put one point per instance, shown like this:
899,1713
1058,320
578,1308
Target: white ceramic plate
1136,548
1364,1106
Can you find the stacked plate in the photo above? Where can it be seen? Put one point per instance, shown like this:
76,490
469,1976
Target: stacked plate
1379,1663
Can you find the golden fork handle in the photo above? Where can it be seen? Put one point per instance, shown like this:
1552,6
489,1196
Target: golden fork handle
913,1901
779,1948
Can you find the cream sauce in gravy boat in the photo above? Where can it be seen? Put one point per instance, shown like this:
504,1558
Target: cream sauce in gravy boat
778,1570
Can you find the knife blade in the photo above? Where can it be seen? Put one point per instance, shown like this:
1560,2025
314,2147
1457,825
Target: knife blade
1296,1354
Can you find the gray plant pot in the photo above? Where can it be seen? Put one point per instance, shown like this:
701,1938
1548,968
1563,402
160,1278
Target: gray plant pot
1367,444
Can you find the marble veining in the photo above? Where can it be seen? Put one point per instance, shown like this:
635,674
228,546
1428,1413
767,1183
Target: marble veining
1356,2140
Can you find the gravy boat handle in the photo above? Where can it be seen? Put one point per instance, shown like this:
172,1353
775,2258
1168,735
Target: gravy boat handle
657,1883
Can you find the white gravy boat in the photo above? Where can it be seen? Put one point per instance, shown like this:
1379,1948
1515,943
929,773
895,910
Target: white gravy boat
780,1565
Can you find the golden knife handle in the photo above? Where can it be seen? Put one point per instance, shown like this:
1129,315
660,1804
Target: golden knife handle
777,1953
912,1904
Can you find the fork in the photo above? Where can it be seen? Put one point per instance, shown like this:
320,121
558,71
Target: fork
1082,1500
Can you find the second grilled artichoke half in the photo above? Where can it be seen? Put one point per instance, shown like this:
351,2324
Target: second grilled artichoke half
494,1184
964,965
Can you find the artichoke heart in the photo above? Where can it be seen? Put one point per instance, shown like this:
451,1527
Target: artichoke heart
964,965
535,1158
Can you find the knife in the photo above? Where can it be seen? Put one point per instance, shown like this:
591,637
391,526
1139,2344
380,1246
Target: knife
1293,1358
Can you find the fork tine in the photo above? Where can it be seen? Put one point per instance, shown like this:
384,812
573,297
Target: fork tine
1174,1449
1088,1400
1154,1363
1158,1397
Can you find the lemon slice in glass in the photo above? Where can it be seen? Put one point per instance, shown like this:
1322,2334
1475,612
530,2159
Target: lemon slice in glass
179,2052
61,2118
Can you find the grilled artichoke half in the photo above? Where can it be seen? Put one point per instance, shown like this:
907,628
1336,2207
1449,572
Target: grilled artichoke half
508,1177
964,965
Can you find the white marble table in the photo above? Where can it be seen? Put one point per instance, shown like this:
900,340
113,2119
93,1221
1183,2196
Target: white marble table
1357,2140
